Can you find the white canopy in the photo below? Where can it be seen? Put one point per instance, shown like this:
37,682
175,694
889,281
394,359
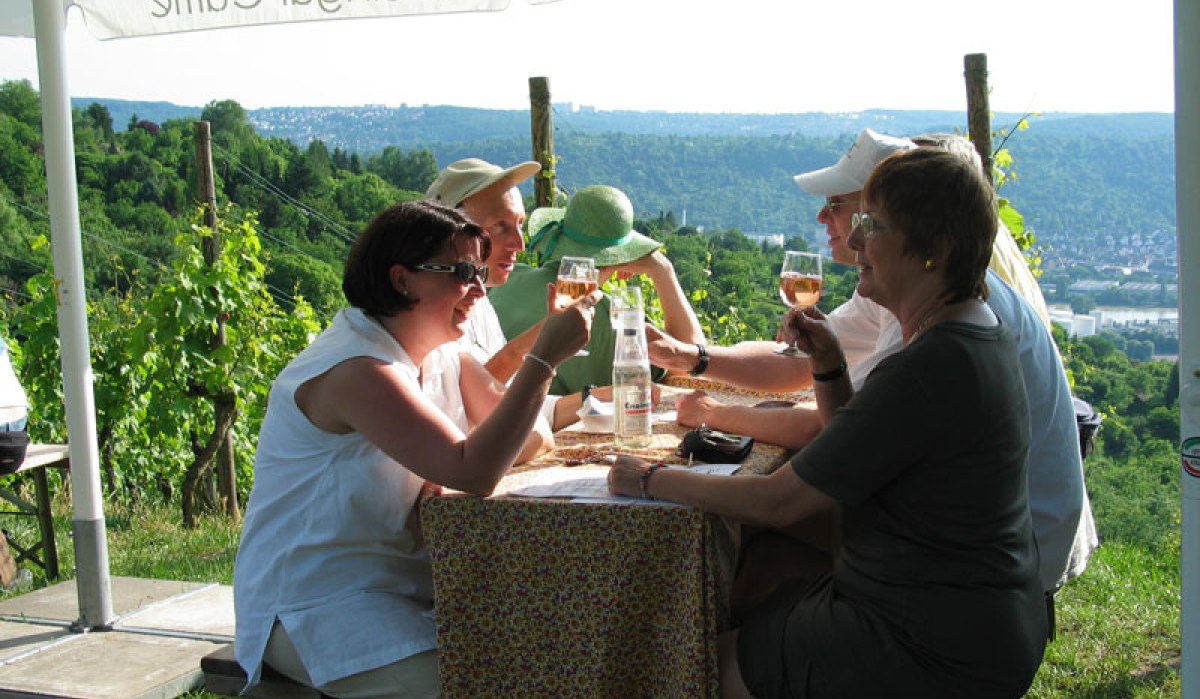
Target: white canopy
114,19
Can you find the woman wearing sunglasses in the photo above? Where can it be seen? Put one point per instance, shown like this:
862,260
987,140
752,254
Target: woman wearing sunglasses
332,585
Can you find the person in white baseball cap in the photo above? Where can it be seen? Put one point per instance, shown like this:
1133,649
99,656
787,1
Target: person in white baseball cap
851,171
1063,521
755,364
841,184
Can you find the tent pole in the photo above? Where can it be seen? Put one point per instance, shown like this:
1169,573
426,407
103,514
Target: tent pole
1187,219
91,546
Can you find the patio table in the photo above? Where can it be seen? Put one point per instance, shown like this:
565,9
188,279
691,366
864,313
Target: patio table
539,597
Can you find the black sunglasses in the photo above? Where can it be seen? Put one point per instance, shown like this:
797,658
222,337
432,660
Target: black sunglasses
466,272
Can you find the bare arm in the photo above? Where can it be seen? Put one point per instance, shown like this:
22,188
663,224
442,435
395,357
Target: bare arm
750,364
482,393
792,428
814,336
678,317
777,500
505,363
372,398
566,411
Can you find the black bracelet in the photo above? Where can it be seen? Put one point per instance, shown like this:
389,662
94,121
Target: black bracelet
701,361
644,479
830,375
587,391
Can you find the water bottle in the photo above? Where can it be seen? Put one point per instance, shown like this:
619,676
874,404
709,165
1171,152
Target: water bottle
631,385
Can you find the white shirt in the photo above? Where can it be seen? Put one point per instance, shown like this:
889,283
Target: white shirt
326,547
867,332
440,375
1062,514
14,404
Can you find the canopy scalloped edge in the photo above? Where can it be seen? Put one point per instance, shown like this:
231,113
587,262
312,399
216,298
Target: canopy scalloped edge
114,19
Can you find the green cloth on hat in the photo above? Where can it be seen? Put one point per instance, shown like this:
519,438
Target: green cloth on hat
521,302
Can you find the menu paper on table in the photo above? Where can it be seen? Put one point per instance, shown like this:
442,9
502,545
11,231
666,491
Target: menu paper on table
583,483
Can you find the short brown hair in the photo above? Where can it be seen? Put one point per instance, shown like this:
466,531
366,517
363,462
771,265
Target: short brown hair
407,234
944,205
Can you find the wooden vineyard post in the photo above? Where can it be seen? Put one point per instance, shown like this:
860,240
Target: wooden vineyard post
542,126
979,116
206,192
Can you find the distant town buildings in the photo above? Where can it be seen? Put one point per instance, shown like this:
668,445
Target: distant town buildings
1164,322
1153,252
772,238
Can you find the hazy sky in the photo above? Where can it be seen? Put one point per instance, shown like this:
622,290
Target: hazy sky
674,55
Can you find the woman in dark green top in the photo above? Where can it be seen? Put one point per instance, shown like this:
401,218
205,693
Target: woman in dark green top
935,590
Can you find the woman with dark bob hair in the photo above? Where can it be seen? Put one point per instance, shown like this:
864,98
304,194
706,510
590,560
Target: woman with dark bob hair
332,585
935,590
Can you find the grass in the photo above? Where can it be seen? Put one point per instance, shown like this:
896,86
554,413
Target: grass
1118,624
1118,629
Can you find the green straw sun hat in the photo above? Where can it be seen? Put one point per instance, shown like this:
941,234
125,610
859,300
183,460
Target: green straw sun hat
596,223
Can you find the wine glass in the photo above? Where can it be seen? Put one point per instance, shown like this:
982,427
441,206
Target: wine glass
800,283
577,277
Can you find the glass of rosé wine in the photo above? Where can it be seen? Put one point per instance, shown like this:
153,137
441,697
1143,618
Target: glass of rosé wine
577,277
800,282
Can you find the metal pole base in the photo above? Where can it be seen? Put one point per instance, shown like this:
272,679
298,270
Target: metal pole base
91,576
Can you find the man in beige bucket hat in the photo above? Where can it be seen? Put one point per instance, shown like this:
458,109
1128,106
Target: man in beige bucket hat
488,194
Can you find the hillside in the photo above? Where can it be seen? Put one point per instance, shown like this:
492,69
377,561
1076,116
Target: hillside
370,128
1082,179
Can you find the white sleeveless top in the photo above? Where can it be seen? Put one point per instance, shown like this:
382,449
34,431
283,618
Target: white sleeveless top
325,547
14,405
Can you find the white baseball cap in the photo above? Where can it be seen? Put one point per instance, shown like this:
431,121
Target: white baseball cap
851,172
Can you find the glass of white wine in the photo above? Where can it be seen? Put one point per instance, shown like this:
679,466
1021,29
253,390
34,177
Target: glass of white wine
800,282
577,277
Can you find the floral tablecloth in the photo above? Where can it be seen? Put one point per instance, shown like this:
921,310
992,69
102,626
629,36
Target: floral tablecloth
549,598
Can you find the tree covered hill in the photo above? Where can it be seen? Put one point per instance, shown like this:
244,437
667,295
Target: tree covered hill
370,128
1085,175
1065,186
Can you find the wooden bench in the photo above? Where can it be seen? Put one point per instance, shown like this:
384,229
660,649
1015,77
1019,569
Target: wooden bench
223,675
44,552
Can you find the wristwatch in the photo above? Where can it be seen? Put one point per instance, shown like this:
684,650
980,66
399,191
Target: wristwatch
701,361
831,375
587,391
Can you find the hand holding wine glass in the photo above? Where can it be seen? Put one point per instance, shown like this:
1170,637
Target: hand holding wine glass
577,277
800,282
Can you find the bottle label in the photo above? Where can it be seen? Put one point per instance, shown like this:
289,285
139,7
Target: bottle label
633,409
